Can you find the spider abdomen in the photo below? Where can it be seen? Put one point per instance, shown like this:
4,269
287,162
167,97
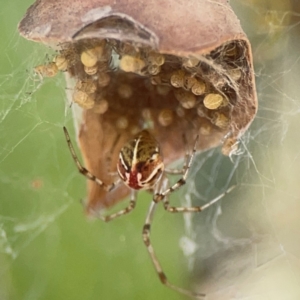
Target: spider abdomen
140,163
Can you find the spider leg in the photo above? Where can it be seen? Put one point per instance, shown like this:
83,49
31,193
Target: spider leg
160,196
162,277
83,170
176,209
122,212
186,160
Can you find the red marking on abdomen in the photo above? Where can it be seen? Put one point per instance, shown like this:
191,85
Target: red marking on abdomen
133,180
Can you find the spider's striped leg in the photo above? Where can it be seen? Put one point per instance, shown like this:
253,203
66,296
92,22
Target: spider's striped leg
162,277
122,212
185,163
161,196
176,209
83,170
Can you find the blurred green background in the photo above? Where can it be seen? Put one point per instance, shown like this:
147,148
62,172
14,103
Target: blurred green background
246,245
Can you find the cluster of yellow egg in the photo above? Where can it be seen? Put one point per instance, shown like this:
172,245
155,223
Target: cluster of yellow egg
182,76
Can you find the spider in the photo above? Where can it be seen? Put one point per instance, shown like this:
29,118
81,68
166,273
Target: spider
141,166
